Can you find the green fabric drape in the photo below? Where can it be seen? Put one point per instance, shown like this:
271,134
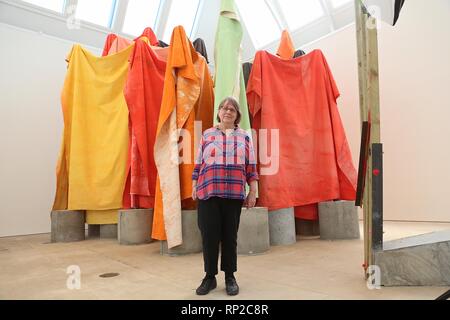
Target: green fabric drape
228,77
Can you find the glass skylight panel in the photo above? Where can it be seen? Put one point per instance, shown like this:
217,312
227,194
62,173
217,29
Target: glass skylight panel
96,11
54,5
182,12
339,3
259,21
300,13
140,15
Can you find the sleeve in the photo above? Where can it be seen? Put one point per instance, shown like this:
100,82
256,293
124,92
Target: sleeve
250,161
198,160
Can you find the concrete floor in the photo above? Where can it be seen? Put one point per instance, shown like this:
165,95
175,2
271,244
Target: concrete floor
33,268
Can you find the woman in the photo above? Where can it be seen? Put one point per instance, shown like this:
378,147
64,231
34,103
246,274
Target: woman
225,163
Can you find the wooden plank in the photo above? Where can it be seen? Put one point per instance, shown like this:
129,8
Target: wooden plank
361,44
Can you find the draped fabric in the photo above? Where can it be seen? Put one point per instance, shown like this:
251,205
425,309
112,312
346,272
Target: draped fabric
299,53
187,90
91,168
307,212
114,43
143,93
229,77
150,35
108,43
297,97
246,68
200,47
286,48
119,44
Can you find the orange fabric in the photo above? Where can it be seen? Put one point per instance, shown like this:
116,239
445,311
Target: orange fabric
187,96
150,35
143,93
108,43
286,49
298,98
307,212
118,45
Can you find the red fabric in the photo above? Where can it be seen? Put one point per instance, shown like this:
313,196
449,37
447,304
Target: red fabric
307,212
298,97
108,43
143,93
148,32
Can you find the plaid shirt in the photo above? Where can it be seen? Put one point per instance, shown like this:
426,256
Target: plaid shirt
224,164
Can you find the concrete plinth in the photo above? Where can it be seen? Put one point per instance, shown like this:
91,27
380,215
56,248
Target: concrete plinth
67,226
422,260
338,220
307,228
282,227
108,231
135,226
253,234
192,239
93,231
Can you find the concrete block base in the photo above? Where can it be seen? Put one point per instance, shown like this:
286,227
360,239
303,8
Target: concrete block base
108,231
253,234
422,260
307,228
67,226
93,231
338,220
135,226
192,239
282,227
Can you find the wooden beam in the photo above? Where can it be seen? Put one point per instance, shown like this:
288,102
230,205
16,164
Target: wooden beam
369,97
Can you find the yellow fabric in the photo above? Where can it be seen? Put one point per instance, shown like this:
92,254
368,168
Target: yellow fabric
102,216
92,163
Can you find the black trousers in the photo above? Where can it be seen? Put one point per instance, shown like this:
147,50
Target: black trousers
218,221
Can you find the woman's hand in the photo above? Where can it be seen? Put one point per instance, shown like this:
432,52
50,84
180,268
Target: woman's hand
251,199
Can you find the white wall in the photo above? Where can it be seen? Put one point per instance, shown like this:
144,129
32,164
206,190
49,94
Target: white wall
415,107
32,70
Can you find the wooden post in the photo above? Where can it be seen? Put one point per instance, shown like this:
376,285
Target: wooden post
367,44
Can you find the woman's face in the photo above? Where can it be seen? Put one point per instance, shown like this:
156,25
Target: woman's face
227,114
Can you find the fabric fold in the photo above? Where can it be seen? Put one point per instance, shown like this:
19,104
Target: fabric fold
182,96
143,93
296,99
92,163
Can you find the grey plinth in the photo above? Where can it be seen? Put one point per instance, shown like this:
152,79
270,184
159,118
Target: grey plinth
67,226
422,260
307,228
253,234
135,226
338,220
282,227
192,239
108,231
93,231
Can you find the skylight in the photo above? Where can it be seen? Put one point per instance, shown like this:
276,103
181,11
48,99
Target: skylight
259,21
139,15
182,12
54,5
99,12
339,3
300,13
